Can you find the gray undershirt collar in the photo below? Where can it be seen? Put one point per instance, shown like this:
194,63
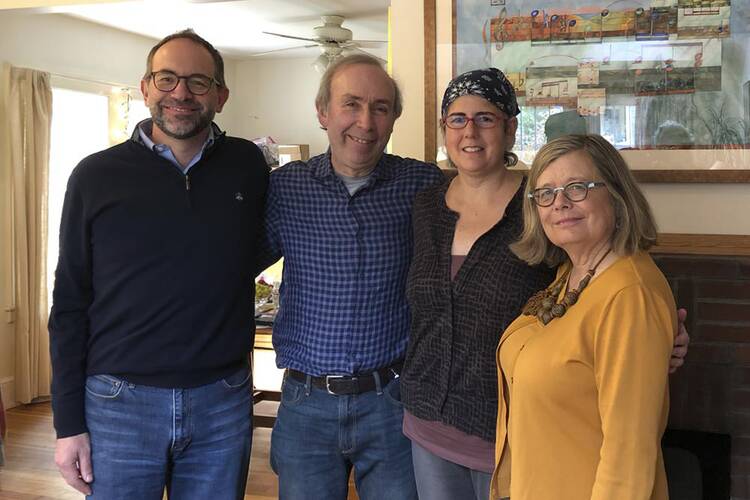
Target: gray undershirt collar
354,184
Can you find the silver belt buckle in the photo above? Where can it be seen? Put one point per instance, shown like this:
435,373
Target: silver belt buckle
328,382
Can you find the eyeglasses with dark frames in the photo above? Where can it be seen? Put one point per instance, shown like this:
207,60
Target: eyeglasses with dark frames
197,84
574,191
481,120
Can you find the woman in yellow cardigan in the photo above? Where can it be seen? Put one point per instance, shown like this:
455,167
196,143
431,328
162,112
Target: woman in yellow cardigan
583,371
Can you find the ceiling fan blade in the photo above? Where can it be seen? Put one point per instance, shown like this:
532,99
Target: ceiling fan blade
282,50
370,44
290,36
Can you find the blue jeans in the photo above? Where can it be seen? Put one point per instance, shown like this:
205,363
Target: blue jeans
193,442
318,438
440,479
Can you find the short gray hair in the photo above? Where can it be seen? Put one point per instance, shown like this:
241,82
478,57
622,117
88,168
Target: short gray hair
324,90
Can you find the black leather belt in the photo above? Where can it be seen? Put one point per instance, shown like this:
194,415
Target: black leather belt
343,385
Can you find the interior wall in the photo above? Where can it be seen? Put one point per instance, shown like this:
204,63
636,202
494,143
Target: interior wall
276,97
700,208
20,4
72,47
75,48
678,208
407,37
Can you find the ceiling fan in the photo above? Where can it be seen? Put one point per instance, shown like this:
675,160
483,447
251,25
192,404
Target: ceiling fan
333,39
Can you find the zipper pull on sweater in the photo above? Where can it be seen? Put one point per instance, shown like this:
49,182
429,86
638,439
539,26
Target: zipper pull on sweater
187,191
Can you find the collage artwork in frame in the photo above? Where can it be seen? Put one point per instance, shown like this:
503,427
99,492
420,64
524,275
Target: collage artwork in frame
647,75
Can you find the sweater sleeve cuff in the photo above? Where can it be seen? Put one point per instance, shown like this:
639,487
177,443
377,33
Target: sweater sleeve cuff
68,415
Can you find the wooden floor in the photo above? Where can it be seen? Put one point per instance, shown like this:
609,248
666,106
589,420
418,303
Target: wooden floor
30,473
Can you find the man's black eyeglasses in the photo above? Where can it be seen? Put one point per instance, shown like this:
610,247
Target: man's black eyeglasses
197,84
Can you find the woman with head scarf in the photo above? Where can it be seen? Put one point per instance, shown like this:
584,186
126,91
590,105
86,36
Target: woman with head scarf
464,287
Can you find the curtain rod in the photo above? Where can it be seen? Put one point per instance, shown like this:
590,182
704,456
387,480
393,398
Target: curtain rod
89,80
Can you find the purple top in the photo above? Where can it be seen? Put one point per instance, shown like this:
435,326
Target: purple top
451,444
446,441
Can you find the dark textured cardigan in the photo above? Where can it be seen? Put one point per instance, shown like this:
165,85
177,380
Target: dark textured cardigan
450,373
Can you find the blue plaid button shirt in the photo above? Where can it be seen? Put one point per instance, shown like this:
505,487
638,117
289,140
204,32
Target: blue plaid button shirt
343,307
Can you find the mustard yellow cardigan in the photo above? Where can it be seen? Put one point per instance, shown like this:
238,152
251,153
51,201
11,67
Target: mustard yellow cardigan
583,401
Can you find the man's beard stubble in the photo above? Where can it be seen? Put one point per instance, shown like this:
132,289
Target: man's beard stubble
181,128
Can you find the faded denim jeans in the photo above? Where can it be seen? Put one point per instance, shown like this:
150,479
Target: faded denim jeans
319,437
193,442
440,479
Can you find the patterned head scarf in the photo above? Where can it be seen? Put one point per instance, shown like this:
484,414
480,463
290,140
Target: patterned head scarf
489,83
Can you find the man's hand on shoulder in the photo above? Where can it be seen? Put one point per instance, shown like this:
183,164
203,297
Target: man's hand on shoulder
681,342
73,460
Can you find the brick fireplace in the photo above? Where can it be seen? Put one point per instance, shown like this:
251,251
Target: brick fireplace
711,393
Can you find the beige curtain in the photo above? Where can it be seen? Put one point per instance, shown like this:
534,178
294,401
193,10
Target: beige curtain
26,119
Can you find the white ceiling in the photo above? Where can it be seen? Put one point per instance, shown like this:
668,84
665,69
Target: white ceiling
235,26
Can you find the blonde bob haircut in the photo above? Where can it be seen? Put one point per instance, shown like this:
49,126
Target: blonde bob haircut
634,225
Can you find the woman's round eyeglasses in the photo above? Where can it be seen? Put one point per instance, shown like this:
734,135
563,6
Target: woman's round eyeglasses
574,191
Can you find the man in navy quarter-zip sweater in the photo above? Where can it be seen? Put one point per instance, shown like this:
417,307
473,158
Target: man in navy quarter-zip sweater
152,317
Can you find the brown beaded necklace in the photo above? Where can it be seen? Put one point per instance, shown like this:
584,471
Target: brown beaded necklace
543,304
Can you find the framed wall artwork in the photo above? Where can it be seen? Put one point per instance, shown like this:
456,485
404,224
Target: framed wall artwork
666,81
